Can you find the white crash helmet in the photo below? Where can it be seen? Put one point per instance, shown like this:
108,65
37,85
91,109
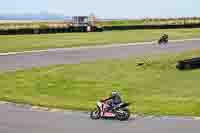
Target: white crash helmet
114,93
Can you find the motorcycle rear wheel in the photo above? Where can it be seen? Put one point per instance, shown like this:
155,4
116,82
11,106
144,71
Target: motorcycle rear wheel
123,116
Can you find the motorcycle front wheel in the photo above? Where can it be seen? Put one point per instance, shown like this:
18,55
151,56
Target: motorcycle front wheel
95,114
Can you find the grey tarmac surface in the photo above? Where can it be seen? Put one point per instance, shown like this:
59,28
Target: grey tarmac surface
15,119
77,55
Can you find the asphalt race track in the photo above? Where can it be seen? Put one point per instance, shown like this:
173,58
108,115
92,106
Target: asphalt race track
77,55
18,119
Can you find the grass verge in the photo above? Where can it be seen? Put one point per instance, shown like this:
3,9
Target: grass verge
155,88
46,41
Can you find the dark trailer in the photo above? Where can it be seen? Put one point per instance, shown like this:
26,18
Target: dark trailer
83,24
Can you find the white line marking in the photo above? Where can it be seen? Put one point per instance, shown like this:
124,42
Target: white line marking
90,47
196,118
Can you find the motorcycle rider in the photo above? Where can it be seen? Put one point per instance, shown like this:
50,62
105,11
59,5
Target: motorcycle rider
115,100
163,38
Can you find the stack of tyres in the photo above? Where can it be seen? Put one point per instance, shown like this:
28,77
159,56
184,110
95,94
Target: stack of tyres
188,63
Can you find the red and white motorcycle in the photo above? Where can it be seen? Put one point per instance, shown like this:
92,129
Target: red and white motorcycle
120,112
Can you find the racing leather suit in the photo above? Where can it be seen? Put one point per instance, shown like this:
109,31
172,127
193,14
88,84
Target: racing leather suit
115,100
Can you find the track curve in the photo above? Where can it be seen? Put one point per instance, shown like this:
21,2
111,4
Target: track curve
15,119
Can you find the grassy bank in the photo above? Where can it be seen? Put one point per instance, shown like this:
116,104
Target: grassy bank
6,24
155,88
149,22
35,42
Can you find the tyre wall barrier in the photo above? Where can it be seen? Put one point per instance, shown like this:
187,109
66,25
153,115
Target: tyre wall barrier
137,27
94,29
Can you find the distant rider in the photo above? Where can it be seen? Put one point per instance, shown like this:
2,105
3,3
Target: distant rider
115,100
165,36
163,40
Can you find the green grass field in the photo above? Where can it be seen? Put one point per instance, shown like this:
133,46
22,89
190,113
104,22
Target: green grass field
155,88
45,41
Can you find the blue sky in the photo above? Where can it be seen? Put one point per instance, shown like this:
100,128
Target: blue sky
105,8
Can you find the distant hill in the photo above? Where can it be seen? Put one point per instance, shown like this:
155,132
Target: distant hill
29,16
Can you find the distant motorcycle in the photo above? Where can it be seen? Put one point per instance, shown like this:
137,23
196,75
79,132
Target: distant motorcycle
120,112
163,39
